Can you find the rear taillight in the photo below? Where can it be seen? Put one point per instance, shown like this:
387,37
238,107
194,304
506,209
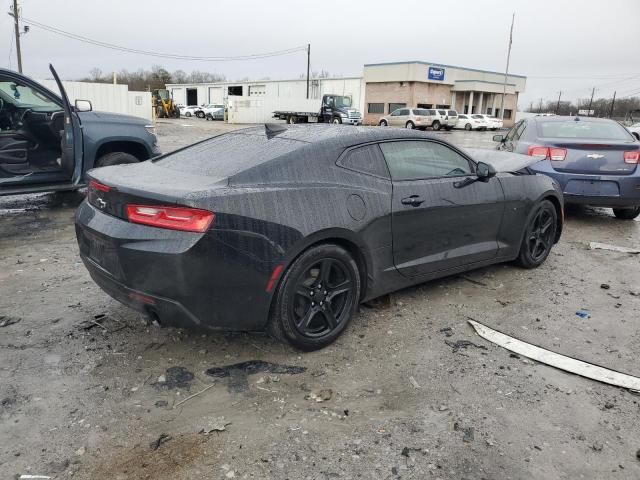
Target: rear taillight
98,186
632,156
173,218
552,153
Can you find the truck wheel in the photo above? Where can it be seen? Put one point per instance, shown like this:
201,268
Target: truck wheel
436,125
467,127
176,113
291,120
336,120
410,125
383,123
115,158
160,113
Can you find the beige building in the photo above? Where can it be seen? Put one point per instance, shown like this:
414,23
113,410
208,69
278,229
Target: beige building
389,86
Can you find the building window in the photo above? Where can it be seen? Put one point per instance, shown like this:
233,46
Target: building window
507,113
489,110
235,90
395,106
425,105
138,99
375,108
497,113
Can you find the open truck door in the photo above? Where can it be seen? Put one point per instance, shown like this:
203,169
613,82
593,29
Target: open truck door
71,136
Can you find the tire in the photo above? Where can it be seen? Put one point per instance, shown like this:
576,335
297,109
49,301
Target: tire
383,123
448,128
467,127
160,113
436,125
176,113
188,114
336,120
200,114
291,120
300,295
410,125
626,213
540,231
115,158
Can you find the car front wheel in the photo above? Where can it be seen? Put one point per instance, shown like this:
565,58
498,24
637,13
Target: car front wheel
626,213
539,235
383,123
410,125
467,127
316,298
436,125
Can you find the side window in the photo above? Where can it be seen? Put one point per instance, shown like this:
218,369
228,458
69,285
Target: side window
395,113
414,160
367,159
404,112
512,133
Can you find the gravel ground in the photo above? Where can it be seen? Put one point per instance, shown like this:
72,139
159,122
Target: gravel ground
394,397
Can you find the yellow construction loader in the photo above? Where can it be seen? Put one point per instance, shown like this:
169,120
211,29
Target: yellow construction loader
164,105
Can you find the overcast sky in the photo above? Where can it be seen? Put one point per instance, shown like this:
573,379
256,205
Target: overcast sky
558,44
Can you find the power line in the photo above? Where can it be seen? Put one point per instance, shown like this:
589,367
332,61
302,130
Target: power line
120,48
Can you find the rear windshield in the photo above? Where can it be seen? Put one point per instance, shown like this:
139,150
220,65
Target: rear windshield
226,155
578,129
453,113
421,111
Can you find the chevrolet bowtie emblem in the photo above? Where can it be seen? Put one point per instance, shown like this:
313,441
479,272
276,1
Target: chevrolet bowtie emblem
595,156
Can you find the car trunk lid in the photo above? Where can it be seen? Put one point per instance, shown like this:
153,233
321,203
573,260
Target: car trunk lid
593,157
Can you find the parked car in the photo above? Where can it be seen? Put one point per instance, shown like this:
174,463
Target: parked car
46,144
214,112
594,160
451,120
411,118
189,111
635,130
207,235
471,122
493,123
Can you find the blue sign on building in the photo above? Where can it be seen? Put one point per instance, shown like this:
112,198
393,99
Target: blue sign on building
436,73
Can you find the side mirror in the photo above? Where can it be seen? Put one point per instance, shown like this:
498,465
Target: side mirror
498,138
83,106
484,171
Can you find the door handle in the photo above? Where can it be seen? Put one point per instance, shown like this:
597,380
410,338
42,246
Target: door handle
413,200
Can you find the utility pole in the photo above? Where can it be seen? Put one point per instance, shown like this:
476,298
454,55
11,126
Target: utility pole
506,71
558,104
16,24
540,107
308,66
590,102
613,102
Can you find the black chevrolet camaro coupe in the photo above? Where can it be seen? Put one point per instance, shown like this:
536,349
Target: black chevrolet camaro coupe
288,229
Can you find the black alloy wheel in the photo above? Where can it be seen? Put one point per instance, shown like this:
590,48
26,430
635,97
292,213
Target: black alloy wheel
539,235
316,298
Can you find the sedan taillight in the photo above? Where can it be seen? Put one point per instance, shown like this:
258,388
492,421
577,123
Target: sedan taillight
632,156
173,218
552,153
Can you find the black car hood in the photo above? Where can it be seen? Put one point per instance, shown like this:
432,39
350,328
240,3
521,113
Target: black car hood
502,161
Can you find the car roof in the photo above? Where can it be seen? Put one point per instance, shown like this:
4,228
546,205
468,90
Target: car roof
338,135
564,118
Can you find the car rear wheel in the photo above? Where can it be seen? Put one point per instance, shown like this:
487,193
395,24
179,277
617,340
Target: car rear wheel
410,125
200,114
383,123
115,158
188,114
539,235
436,125
626,213
316,298
467,127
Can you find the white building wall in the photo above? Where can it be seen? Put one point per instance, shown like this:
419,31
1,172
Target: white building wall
106,97
270,95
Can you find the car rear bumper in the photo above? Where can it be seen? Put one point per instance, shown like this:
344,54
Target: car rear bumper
181,278
596,190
